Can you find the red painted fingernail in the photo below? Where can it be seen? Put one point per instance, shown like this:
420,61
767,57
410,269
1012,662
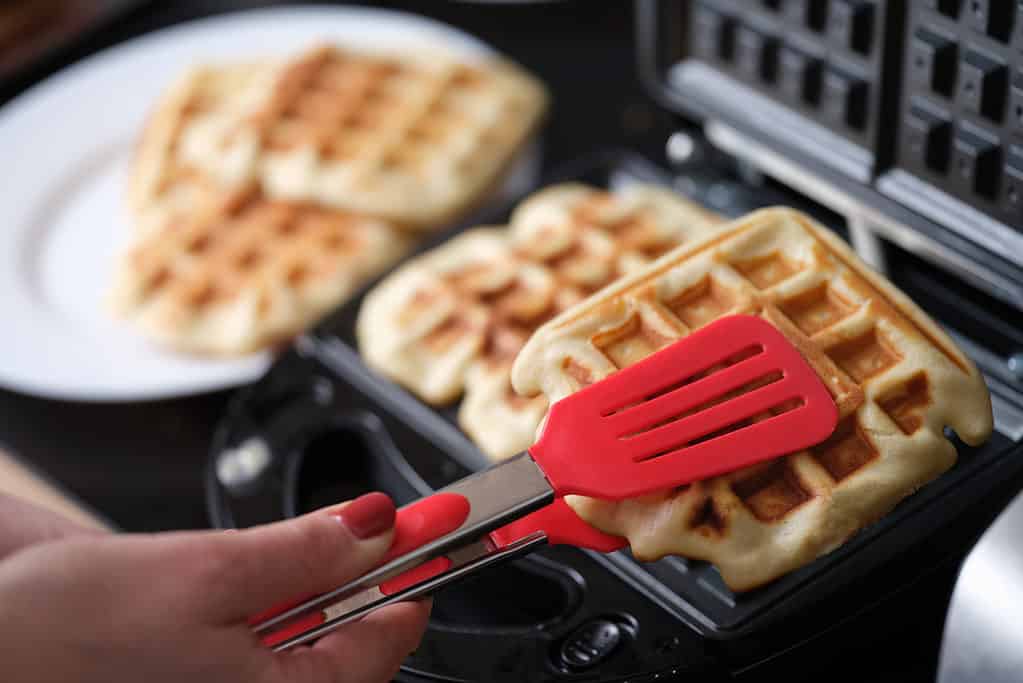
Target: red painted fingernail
368,515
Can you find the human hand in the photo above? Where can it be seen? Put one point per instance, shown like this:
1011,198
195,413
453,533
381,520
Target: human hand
23,524
173,607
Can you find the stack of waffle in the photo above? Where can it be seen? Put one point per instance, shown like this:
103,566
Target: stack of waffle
264,194
897,379
449,323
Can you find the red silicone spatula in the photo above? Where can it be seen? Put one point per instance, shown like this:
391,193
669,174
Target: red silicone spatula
730,395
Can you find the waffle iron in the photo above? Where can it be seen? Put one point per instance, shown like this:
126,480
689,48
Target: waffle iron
320,427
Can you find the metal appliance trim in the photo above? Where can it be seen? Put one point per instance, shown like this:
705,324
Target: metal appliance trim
788,172
928,200
791,128
981,641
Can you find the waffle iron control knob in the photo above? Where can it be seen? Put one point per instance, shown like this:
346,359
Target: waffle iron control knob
590,644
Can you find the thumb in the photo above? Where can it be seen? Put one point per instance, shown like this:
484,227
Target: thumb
295,559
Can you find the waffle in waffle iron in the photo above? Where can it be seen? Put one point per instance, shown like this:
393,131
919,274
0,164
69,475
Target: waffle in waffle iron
451,321
897,378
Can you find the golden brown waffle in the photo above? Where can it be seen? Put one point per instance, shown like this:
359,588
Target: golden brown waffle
410,138
897,379
452,320
162,187
247,272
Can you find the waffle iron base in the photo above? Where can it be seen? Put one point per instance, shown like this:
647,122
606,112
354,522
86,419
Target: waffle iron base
320,427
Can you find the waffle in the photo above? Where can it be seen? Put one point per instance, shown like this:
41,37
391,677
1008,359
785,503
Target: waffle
451,321
163,187
410,138
246,272
897,379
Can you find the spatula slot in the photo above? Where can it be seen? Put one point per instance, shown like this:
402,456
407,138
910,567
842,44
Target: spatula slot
744,423
731,394
775,411
745,353
762,381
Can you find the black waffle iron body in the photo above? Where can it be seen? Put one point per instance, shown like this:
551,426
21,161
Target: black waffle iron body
320,427
797,101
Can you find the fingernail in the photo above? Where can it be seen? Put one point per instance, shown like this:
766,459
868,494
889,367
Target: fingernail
368,515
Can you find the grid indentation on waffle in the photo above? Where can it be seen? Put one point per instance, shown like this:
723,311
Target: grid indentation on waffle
633,341
212,259
180,186
586,261
865,355
768,270
450,331
817,309
633,231
579,372
505,311
706,519
175,176
846,450
511,296
906,403
771,490
329,101
705,301
357,106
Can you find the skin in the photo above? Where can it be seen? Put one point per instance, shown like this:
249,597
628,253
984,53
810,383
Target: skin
79,604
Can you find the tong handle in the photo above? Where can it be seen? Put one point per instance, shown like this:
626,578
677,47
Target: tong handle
315,625
415,525
425,521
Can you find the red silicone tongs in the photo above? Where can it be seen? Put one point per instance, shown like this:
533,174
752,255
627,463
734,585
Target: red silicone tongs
730,395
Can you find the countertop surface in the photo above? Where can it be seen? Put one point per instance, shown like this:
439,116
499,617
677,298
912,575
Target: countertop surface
140,464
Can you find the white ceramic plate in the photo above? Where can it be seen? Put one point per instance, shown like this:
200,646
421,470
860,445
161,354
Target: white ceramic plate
65,146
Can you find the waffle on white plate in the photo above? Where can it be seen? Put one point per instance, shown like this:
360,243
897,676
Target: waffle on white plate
318,165
163,188
451,321
412,138
246,272
896,377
